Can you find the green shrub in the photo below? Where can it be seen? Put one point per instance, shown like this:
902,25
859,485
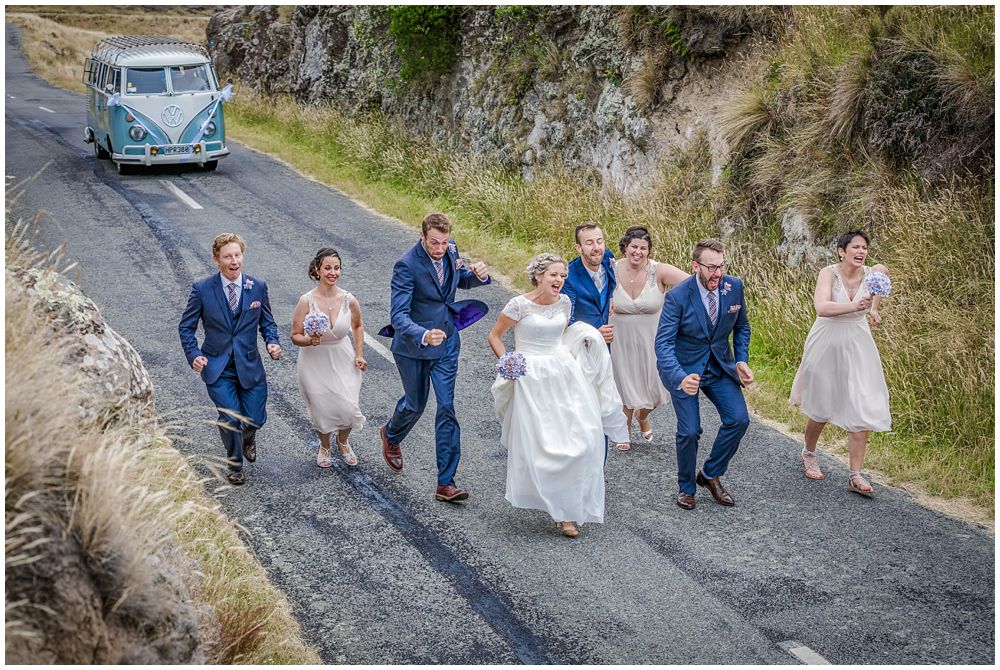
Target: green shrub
427,39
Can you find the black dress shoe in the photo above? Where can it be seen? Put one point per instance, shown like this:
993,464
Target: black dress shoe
236,478
715,487
685,500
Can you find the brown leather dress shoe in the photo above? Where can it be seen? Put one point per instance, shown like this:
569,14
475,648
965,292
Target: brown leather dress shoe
451,493
715,487
236,478
685,500
250,451
392,454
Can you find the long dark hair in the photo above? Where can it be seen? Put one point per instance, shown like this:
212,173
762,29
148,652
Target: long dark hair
318,261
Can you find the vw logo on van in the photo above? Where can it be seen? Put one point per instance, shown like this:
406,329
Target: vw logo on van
172,115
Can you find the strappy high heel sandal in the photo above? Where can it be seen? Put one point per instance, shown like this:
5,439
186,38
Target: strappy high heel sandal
324,461
810,465
859,484
350,458
646,434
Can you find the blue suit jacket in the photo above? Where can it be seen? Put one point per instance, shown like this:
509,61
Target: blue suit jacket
683,339
589,306
420,303
227,335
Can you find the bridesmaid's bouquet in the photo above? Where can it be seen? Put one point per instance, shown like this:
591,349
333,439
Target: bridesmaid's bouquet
512,365
315,323
878,283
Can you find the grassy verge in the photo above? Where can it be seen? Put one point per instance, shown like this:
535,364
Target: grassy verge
124,500
937,336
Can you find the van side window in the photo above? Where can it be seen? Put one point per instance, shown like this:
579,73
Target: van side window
145,81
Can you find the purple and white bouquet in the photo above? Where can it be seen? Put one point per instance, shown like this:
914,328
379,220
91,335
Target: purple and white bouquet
512,365
878,283
315,323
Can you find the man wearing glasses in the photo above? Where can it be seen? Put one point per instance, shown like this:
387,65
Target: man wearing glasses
693,352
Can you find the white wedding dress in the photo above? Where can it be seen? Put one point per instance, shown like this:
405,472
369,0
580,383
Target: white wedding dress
551,418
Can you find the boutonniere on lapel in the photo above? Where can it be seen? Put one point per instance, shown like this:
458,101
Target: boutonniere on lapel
726,288
452,248
255,304
248,284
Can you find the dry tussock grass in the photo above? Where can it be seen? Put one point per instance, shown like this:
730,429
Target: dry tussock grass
56,43
123,495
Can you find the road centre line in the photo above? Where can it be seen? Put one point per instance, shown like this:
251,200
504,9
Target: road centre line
378,348
45,109
803,653
181,195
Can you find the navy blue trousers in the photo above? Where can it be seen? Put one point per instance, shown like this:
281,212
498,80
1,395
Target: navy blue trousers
727,396
417,376
250,403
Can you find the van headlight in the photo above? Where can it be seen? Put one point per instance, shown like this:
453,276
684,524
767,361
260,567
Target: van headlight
210,129
137,133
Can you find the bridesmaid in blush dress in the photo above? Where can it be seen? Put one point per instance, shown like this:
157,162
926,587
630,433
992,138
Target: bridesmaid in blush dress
638,300
329,368
840,379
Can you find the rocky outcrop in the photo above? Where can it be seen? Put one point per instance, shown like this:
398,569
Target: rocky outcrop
604,91
112,371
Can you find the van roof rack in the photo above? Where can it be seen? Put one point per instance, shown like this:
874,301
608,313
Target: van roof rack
111,47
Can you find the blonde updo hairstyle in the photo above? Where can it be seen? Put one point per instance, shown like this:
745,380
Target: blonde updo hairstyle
540,263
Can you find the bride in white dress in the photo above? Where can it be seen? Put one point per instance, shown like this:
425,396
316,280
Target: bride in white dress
553,419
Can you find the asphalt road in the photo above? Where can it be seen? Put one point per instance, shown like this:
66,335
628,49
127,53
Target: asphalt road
377,571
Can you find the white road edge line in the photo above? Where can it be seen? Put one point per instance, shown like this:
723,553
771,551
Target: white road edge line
803,653
181,195
45,109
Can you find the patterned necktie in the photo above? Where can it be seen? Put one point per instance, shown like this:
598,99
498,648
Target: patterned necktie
598,281
233,300
440,270
712,308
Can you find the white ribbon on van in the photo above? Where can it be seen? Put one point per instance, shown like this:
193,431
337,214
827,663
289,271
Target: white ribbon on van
116,101
226,94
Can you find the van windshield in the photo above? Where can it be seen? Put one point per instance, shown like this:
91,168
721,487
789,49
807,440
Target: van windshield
145,81
190,78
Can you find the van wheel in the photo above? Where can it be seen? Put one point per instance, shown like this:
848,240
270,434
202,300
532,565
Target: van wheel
124,168
211,165
99,151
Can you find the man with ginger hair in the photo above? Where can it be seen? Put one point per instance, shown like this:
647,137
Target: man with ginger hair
232,307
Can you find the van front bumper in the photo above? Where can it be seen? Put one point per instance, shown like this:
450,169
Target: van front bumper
143,154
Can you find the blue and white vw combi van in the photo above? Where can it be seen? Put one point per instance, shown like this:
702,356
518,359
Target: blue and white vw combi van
154,100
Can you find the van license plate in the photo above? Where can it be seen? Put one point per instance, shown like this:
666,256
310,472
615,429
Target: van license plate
177,149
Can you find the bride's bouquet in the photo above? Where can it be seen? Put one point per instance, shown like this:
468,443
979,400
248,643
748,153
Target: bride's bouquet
512,365
315,323
878,283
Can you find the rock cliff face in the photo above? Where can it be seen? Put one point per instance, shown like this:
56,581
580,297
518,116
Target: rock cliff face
606,91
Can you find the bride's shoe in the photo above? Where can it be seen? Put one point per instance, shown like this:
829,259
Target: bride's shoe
646,434
350,458
568,528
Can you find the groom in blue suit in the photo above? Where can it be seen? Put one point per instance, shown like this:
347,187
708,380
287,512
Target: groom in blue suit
590,280
693,352
232,307
425,345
